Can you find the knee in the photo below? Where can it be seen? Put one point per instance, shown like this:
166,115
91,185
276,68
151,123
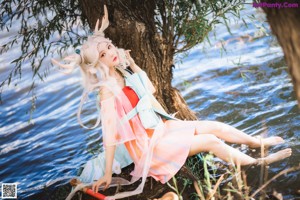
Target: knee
205,143
219,126
210,127
213,141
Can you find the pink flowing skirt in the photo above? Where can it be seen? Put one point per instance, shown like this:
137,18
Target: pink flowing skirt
170,151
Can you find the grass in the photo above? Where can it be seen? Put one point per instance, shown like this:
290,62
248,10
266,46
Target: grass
210,181
205,178
229,185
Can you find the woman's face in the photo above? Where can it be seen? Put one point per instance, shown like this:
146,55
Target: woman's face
108,54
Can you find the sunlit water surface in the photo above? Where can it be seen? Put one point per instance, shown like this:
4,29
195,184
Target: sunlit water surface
247,87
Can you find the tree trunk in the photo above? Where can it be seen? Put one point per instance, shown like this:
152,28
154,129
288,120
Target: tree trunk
285,24
132,27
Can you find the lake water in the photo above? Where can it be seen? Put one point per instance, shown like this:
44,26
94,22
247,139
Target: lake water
247,87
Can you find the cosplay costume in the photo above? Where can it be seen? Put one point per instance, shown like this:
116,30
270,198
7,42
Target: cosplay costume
158,149
132,120
157,146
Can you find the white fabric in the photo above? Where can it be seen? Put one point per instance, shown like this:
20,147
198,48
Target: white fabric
95,168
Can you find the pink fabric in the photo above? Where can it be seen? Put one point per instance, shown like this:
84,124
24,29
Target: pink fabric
114,106
169,153
158,152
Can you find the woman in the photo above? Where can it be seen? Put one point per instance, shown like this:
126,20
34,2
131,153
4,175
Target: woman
157,142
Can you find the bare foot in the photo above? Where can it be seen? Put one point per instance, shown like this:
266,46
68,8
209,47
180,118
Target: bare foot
274,157
169,196
270,141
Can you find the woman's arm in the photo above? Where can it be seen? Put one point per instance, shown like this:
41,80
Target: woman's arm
108,127
106,179
135,68
109,158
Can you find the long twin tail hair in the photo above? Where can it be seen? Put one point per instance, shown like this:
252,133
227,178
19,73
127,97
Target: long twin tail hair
91,79
93,72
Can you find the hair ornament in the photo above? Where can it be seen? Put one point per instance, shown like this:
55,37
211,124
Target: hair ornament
73,61
104,24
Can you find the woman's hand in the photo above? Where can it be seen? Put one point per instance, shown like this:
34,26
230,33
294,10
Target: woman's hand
133,66
129,58
105,180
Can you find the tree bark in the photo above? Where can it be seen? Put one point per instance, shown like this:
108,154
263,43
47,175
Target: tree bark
285,25
132,26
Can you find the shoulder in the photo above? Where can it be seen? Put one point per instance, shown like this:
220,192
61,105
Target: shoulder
105,93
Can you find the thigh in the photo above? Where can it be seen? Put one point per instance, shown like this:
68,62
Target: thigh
200,127
203,143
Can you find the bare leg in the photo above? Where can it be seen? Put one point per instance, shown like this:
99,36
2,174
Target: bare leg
169,196
210,143
275,156
233,135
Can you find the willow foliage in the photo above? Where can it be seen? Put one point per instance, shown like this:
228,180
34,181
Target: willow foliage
36,22
185,24
180,23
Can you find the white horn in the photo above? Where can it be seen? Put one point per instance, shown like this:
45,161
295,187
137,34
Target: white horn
105,21
97,26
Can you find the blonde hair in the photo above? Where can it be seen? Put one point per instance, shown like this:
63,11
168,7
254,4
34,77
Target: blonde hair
94,72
